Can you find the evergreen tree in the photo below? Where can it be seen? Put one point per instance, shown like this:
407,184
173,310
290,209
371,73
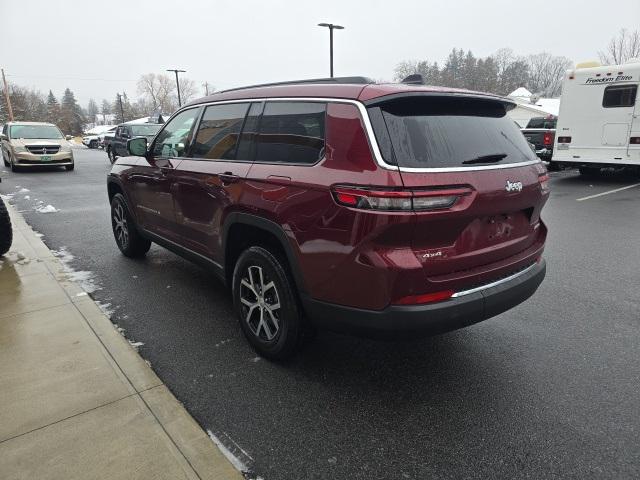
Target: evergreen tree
53,109
71,117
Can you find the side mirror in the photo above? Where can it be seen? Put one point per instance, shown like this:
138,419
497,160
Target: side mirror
3,137
69,137
137,147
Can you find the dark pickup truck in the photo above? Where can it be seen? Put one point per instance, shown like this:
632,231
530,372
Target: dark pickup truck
541,133
117,146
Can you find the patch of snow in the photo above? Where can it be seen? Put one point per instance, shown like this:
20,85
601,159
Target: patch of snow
85,278
235,461
136,345
106,308
23,190
223,342
27,197
81,294
47,209
39,235
7,197
134,276
332,460
256,359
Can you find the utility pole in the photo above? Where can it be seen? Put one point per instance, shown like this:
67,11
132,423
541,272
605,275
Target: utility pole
6,96
177,83
331,28
121,109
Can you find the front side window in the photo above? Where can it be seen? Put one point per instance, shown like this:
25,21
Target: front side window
619,96
144,130
291,132
218,131
443,132
176,135
40,132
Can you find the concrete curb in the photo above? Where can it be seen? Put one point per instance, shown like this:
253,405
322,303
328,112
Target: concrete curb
201,458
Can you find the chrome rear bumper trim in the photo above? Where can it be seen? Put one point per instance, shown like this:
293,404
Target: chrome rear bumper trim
493,284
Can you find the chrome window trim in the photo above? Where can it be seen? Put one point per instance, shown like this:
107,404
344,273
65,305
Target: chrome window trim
493,284
370,135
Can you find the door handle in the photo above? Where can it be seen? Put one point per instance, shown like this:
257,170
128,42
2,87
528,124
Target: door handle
228,177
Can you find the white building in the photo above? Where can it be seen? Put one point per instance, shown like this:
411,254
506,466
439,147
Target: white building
529,106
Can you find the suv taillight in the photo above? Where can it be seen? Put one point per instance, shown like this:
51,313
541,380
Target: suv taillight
547,138
543,179
564,139
398,200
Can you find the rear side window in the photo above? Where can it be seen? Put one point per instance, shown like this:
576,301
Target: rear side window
218,131
291,132
249,132
445,132
619,96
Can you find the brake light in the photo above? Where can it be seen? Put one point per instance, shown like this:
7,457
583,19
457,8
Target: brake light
398,200
425,298
543,179
547,138
564,139
634,140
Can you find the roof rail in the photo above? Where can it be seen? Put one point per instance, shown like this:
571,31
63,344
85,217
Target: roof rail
356,80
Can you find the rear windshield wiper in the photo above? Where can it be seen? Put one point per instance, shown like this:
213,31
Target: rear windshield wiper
494,157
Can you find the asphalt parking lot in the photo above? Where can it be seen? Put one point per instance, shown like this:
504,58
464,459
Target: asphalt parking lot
550,389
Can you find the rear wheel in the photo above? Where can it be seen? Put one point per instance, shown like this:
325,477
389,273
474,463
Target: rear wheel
553,166
265,301
128,239
110,154
6,234
93,144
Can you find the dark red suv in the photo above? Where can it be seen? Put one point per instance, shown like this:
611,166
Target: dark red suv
380,209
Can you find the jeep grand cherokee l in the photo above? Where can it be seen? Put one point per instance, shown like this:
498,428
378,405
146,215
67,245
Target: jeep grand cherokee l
378,209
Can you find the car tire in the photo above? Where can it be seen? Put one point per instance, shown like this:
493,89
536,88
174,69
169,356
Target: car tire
93,144
553,167
125,231
266,304
110,155
6,234
69,168
14,167
4,159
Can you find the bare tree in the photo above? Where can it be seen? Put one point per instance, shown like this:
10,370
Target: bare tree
624,46
158,91
546,72
188,90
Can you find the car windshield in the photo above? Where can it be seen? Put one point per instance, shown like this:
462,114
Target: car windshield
447,132
144,130
42,132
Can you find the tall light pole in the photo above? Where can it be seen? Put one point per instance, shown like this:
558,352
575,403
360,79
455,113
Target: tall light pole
331,27
177,83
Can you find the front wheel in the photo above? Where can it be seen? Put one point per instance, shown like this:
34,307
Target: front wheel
265,302
6,234
128,239
111,156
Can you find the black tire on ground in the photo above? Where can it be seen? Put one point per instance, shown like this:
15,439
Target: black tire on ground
93,144
589,171
14,167
110,155
125,232
68,168
266,304
6,234
553,166
6,162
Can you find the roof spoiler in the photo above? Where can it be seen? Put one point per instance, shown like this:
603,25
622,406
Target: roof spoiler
415,79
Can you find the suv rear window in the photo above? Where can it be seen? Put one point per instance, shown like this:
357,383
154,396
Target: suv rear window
542,122
444,132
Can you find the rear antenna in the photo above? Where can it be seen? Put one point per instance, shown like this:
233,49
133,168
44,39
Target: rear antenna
415,79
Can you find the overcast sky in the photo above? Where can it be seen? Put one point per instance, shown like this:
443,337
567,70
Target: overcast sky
98,48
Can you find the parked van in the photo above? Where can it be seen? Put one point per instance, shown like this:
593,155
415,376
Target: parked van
599,121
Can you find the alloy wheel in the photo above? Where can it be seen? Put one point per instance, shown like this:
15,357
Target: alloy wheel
120,226
260,303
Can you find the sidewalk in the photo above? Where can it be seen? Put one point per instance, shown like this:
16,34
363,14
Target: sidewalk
76,400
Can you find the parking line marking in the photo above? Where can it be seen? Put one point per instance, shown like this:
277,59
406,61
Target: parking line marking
607,193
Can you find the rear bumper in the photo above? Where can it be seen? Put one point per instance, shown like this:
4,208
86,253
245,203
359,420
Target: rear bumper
428,319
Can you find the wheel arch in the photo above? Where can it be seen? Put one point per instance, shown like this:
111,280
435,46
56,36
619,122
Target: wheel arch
242,230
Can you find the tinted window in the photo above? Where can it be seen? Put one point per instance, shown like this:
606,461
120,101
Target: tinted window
219,130
249,132
542,122
619,96
434,132
176,135
144,130
291,132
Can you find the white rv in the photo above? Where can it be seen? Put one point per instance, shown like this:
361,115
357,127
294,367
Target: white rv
599,119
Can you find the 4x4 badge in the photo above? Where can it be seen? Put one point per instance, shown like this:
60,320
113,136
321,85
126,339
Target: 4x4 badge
513,186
